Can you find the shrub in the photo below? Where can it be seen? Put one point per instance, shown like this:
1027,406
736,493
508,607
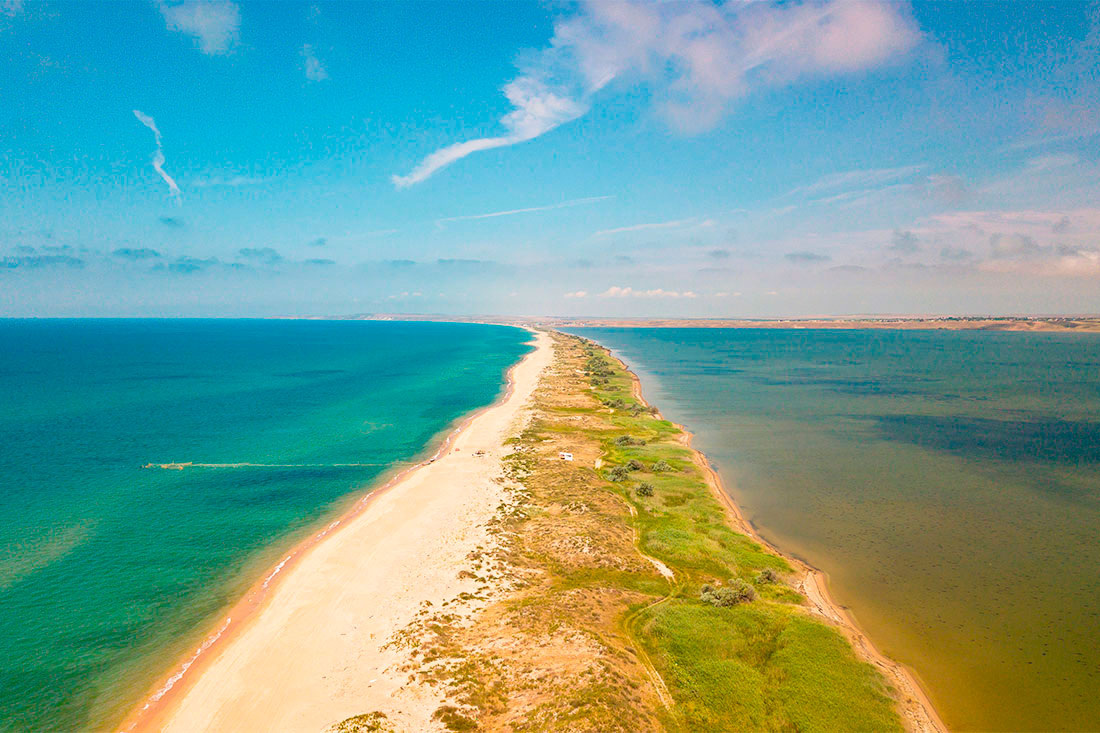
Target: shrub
644,489
661,466
618,473
737,591
634,465
767,576
627,440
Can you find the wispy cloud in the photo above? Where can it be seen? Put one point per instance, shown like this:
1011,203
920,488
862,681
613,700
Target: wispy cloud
577,294
699,58
619,292
264,255
675,224
315,70
807,257
214,24
857,179
141,253
228,181
538,109
528,210
158,155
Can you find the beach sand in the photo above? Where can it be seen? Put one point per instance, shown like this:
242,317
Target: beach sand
314,651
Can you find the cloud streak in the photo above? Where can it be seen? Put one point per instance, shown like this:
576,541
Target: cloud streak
158,155
619,292
697,58
675,224
528,210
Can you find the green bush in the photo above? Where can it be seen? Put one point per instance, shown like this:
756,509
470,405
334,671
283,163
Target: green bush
644,489
661,466
624,440
767,576
737,591
634,465
618,473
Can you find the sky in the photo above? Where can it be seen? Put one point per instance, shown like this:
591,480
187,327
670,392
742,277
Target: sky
734,159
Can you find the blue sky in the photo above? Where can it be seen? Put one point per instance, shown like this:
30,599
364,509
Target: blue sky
694,158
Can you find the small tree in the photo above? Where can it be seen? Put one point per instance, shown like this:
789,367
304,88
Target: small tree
644,489
661,466
634,465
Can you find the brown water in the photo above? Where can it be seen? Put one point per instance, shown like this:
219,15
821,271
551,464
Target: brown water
948,483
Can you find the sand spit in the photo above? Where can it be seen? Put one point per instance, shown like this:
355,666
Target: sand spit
333,635
315,650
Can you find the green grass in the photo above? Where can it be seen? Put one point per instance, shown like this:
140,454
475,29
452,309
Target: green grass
765,665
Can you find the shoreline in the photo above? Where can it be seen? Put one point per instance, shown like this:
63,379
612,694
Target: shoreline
915,708
161,706
170,688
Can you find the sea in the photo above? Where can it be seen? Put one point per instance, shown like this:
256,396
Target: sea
948,483
111,569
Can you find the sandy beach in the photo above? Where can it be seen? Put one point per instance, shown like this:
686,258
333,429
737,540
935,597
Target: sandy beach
314,651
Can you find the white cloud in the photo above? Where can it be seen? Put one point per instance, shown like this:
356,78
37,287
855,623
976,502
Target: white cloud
315,70
214,24
158,154
528,210
698,58
538,109
619,292
577,294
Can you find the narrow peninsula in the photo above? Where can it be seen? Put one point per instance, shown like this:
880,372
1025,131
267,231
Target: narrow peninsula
568,562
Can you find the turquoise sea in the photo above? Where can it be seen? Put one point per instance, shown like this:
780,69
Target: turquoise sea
947,481
108,570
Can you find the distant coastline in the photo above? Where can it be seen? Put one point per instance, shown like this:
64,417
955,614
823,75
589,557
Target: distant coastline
1030,324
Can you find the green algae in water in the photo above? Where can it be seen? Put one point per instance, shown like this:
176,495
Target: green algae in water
948,483
108,571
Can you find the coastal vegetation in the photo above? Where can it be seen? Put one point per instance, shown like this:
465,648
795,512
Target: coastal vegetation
620,597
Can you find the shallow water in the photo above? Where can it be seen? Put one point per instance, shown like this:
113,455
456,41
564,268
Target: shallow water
109,570
948,483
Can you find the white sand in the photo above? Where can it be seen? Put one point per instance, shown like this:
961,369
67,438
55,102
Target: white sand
312,655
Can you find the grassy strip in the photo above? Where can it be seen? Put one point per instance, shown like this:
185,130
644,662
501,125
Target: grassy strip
759,665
